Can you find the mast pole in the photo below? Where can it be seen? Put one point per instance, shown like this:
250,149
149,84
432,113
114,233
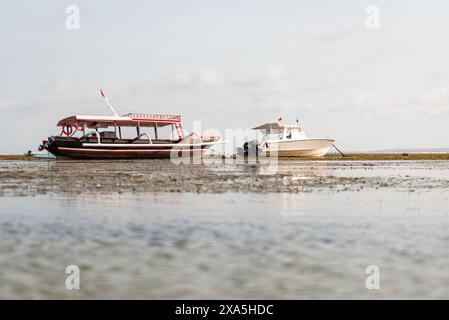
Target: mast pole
109,103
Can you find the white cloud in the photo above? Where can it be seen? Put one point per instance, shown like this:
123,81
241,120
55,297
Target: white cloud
61,86
7,105
210,77
275,73
201,78
434,102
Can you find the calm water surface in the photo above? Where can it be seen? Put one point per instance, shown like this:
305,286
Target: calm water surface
233,245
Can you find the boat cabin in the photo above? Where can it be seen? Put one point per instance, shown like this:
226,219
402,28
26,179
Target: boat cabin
131,127
276,131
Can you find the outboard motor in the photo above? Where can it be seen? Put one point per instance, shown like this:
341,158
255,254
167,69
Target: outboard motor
251,148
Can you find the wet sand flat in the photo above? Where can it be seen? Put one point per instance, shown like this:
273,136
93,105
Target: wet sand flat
212,176
329,156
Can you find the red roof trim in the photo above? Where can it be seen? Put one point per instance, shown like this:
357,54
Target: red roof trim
74,119
153,120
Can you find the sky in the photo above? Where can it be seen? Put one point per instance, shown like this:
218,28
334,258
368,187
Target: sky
370,74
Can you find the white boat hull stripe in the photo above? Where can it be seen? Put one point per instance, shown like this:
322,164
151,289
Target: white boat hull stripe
129,151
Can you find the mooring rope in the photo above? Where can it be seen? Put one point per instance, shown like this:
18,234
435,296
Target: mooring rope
342,154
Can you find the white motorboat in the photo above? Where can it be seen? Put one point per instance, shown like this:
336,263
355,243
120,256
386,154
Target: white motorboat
290,141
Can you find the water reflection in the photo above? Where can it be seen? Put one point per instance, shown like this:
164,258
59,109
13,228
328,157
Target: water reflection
233,245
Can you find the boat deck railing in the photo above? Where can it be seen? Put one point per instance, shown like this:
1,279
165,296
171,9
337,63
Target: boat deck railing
153,116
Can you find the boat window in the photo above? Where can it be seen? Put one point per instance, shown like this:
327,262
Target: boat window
129,132
272,136
107,134
166,132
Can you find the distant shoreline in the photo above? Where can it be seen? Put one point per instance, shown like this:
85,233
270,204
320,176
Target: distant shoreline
331,156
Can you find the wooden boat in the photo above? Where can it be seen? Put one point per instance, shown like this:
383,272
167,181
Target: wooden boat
102,137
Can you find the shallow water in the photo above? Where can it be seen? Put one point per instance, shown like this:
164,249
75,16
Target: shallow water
230,244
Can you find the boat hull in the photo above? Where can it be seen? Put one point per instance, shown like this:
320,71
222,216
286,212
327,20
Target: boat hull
72,153
74,149
299,148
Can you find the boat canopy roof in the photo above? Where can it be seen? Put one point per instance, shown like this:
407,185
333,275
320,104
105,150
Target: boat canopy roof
127,120
269,126
275,126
